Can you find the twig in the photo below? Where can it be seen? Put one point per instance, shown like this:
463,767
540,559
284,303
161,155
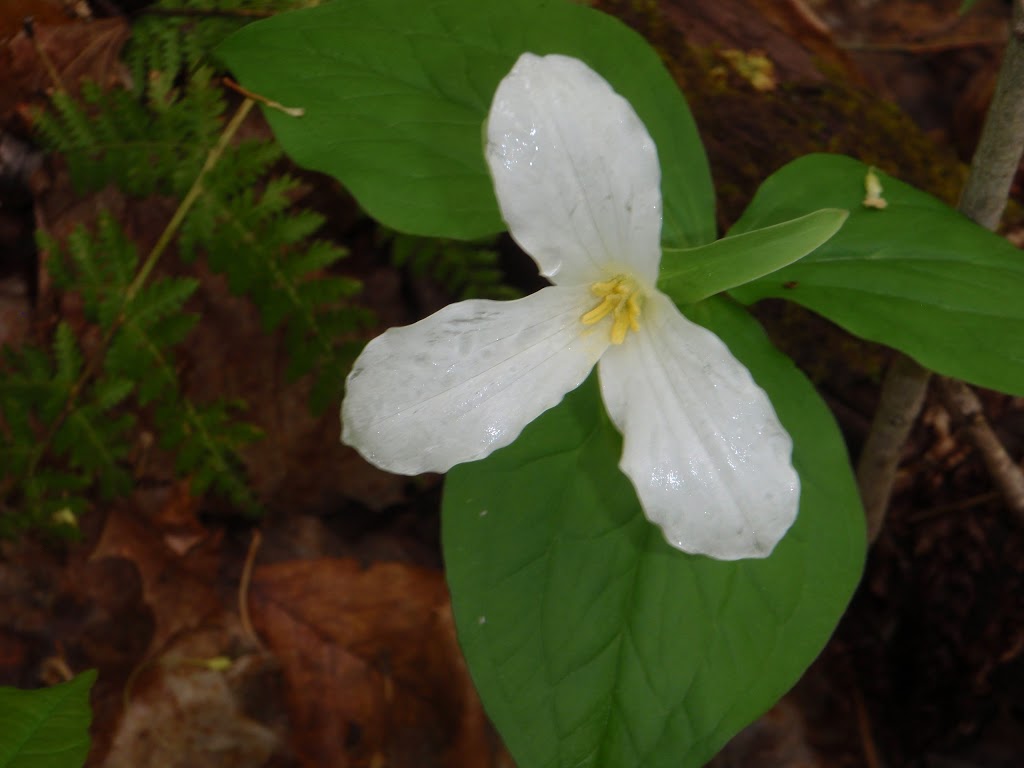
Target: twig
28,24
290,111
867,741
928,46
243,588
963,403
984,198
927,515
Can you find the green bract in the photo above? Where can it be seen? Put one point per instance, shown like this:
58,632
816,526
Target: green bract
692,274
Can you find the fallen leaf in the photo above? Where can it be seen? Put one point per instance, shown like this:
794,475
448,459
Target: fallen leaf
83,50
182,712
374,675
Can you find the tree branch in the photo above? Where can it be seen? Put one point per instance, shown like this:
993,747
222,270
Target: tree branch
963,403
984,198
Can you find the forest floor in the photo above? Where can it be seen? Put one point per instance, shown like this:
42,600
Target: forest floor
343,577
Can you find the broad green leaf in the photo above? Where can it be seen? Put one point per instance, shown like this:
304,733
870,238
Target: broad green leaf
47,727
689,275
395,94
916,275
591,641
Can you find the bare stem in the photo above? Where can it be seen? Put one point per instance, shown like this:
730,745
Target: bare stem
962,402
999,150
984,199
903,393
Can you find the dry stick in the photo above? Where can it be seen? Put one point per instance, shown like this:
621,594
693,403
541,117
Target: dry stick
984,198
243,589
961,400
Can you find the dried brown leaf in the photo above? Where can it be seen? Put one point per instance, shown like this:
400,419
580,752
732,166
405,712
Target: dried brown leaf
373,673
84,50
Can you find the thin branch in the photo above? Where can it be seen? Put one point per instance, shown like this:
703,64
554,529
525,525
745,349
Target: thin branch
243,588
290,111
29,26
963,403
992,170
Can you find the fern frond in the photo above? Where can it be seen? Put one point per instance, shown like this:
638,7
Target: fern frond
67,356
98,267
260,244
48,499
169,43
206,443
464,270
113,136
95,443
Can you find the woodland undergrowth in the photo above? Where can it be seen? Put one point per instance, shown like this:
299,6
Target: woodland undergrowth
75,399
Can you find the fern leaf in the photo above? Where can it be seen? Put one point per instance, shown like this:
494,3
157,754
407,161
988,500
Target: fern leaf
66,355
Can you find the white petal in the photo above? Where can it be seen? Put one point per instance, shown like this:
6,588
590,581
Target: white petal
575,172
465,381
701,442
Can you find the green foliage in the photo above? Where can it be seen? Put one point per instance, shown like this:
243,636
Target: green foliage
68,408
591,641
175,36
46,727
251,234
464,270
692,274
915,275
71,417
144,146
244,221
418,78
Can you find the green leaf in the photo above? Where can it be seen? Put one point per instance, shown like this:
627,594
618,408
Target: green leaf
917,275
47,727
395,94
591,641
689,275
67,355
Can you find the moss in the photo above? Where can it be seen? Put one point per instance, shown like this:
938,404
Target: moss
748,133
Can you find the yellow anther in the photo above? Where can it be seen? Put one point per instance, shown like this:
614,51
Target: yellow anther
601,311
620,297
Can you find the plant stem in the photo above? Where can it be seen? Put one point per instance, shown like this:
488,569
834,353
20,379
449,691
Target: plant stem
999,150
984,198
189,200
903,393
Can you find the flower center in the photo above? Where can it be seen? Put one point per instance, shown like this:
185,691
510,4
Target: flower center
620,298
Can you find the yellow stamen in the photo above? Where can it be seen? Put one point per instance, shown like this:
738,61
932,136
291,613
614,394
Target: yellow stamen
620,297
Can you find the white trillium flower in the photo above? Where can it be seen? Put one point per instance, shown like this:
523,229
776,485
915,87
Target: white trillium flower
577,179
